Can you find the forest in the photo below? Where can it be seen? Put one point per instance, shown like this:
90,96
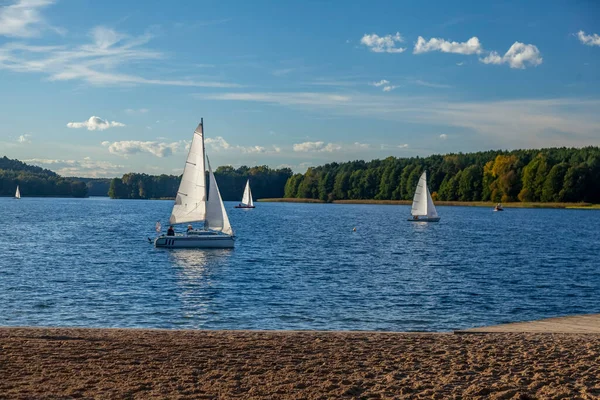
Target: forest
546,175
36,181
265,182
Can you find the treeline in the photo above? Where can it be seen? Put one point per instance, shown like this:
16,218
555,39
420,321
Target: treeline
96,186
547,175
36,181
265,182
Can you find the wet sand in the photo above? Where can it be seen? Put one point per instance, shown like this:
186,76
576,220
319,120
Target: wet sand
141,364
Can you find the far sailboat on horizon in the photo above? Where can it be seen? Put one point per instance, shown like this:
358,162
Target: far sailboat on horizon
18,193
423,209
247,201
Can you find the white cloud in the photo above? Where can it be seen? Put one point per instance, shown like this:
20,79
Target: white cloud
95,123
432,84
460,64
380,83
129,147
362,146
295,98
253,149
80,168
24,138
132,111
443,136
96,63
590,40
517,56
316,147
22,18
403,146
471,46
218,144
386,85
516,123
383,44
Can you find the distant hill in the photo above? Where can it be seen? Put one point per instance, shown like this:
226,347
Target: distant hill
16,165
36,181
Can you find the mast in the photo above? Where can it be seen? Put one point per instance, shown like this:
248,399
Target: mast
203,156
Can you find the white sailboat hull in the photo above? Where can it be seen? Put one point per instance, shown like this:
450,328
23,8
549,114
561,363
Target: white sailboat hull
209,240
425,219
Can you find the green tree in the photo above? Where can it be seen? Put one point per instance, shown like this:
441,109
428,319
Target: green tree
554,182
291,186
469,185
341,185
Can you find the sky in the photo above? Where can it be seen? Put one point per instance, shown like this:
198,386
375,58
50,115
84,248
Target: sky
101,88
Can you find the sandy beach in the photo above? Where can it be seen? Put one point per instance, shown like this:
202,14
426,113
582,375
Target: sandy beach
119,363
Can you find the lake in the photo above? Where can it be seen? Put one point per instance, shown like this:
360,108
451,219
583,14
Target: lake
87,262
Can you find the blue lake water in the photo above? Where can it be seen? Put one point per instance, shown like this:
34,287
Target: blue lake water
87,262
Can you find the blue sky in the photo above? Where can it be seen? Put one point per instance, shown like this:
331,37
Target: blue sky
100,88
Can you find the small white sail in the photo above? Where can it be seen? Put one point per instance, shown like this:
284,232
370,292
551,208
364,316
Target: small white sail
419,205
247,197
18,193
216,215
190,202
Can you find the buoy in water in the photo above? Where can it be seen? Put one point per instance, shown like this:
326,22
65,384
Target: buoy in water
354,229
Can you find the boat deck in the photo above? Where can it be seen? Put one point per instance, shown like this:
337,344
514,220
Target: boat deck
588,323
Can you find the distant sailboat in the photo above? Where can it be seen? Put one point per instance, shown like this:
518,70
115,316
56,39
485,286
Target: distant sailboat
193,205
246,198
18,193
423,209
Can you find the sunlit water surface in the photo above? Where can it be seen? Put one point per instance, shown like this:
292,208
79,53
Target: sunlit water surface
87,262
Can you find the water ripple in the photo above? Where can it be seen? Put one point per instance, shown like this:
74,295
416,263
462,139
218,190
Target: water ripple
87,262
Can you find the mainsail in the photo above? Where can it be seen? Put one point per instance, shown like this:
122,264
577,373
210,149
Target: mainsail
247,197
18,193
421,198
190,202
216,216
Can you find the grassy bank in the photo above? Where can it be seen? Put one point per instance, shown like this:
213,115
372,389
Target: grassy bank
585,206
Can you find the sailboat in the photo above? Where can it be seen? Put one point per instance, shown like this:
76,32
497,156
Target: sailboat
423,209
18,193
194,204
246,198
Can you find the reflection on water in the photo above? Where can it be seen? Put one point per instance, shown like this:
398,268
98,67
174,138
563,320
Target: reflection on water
197,259
195,271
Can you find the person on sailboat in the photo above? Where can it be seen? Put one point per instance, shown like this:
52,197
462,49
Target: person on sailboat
171,231
189,228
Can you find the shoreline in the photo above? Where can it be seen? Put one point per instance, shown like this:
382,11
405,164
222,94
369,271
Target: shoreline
556,205
148,363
